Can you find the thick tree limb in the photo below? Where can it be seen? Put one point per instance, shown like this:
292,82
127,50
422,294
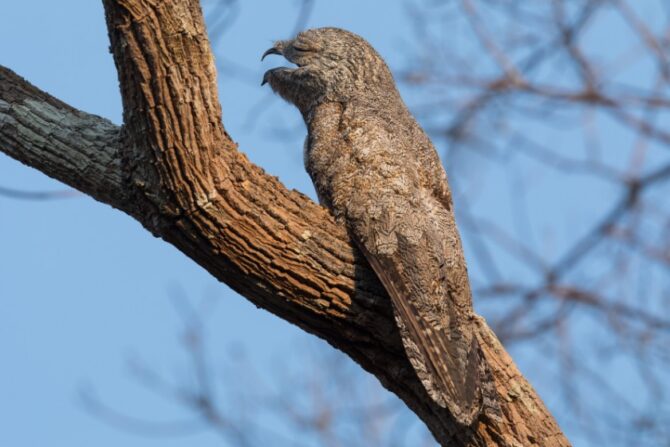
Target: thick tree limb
76,148
175,169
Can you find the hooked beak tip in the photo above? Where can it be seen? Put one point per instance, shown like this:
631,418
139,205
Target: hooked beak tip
272,50
266,76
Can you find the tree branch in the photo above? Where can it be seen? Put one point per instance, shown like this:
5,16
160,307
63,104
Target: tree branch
175,169
74,147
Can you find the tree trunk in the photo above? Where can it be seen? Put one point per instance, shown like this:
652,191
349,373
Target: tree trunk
173,167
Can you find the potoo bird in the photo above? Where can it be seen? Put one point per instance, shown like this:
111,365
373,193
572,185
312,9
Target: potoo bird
375,168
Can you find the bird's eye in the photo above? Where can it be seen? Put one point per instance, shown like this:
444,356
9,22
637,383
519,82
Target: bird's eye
301,49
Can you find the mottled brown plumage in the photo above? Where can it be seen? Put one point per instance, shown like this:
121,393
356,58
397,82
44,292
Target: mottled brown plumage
377,171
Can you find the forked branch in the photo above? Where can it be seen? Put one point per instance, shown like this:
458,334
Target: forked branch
173,167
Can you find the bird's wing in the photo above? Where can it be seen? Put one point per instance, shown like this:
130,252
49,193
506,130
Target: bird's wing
409,237
437,338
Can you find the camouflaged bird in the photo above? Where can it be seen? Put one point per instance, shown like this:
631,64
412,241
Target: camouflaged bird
377,171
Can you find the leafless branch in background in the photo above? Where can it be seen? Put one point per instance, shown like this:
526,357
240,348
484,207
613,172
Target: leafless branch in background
305,8
318,397
568,103
19,194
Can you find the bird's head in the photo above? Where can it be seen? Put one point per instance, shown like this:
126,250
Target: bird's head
332,65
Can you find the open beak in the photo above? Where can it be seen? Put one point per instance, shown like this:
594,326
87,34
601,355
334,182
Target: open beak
277,48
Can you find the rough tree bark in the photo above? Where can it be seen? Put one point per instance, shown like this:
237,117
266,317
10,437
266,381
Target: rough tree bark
173,167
